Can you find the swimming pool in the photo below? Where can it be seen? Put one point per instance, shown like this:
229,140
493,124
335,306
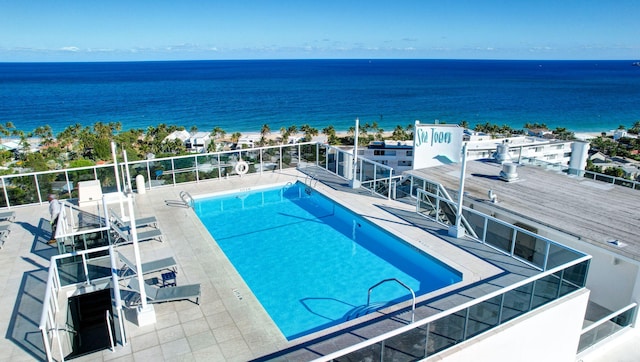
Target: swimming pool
309,261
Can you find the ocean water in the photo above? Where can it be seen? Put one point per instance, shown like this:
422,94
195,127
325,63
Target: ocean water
243,95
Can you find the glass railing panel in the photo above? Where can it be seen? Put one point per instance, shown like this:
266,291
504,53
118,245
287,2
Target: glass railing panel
445,332
290,157
408,346
98,264
516,302
499,236
367,170
332,160
208,167
545,290
161,172
270,160
599,333
483,316
559,255
107,177
71,270
22,190
54,183
342,165
476,221
369,353
575,277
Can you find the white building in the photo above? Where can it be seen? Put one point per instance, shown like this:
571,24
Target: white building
198,142
400,154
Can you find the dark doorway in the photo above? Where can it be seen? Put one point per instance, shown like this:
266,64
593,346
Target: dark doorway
87,314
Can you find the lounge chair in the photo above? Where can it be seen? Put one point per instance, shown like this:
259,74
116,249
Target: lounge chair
140,222
124,235
4,228
7,215
167,294
148,267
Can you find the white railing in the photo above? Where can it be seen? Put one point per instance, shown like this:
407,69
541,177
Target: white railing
48,320
371,175
498,234
170,171
365,347
607,326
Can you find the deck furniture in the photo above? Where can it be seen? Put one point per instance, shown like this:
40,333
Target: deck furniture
148,267
7,215
168,294
124,236
140,222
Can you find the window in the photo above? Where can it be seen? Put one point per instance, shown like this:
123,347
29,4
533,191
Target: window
378,152
409,153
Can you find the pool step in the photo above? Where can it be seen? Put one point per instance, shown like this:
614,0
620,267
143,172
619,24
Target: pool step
364,309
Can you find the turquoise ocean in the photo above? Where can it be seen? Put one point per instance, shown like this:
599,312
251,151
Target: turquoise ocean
241,96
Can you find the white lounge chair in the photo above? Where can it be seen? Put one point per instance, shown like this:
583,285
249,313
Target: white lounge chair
148,267
7,215
160,295
140,222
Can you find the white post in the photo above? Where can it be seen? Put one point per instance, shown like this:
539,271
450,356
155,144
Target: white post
116,291
145,312
354,183
117,176
456,230
126,168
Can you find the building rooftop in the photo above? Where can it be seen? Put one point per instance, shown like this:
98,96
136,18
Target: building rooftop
596,212
229,324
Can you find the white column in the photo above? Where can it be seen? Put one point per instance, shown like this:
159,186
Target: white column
456,230
117,176
354,182
145,313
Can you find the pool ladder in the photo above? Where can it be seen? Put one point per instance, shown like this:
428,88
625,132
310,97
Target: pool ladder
310,182
413,295
187,199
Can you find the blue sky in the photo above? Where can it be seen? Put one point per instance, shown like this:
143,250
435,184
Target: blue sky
109,30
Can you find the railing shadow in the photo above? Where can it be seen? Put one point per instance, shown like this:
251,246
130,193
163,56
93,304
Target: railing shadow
41,236
23,329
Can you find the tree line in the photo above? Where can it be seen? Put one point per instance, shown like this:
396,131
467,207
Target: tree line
79,145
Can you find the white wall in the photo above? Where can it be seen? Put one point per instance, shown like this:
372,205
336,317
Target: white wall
551,333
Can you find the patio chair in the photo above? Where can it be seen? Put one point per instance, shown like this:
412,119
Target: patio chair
124,235
7,215
140,222
168,294
4,228
148,267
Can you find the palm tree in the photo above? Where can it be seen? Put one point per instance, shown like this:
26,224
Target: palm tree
235,136
330,132
264,131
309,132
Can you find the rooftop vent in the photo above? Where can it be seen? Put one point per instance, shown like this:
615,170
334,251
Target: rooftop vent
502,153
509,172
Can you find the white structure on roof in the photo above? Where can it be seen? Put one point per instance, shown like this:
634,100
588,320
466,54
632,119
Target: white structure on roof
400,154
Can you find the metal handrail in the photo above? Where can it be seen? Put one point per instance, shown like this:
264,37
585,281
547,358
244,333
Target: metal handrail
413,295
187,199
107,317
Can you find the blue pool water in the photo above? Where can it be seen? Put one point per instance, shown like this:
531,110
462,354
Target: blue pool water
309,261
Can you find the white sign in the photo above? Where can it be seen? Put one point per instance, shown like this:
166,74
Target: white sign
436,144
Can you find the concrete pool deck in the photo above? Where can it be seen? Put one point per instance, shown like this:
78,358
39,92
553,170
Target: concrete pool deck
229,324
